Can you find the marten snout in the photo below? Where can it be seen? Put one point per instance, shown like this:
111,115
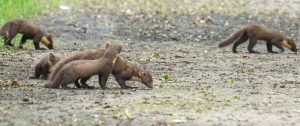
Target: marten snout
149,84
146,78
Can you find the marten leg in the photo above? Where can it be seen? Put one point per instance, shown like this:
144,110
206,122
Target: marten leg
8,40
23,40
45,74
37,73
269,47
77,84
122,83
103,79
251,45
13,31
36,42
241,40
279,46
83,83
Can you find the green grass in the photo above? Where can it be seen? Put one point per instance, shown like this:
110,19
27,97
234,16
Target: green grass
27,9
10,9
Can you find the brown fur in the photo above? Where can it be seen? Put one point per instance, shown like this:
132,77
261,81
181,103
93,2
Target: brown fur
75,70
44,64
29,30
122,69
125,71
89,54
256,32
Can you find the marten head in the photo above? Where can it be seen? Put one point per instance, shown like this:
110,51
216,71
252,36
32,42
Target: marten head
52,59
117,46
290,44
146,77
47,41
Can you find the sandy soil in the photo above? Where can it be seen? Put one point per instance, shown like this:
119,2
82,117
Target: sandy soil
196,83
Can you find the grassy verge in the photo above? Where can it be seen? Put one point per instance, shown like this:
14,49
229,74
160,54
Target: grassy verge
24,8
29,9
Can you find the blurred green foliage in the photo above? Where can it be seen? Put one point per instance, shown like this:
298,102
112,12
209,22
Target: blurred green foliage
10,9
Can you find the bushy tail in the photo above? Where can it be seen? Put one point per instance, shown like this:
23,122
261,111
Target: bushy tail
4,30
236,35
2,33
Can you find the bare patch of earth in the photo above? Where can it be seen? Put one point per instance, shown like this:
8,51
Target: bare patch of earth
206,85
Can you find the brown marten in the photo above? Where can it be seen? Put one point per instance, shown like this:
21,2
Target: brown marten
89,54
256,32
78,69
29,30
122,69
44,64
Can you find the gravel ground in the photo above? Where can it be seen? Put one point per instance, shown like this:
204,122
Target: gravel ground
196,83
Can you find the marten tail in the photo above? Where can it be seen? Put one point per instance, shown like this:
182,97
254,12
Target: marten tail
236,35
2,33
4,30
54,70
55,83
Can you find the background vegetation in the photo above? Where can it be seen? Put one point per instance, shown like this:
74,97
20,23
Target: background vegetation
10,9
29,9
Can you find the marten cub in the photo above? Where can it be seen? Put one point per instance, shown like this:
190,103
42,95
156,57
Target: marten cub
44,64
122,69
125,71
256,32
29,30
89,54
78,69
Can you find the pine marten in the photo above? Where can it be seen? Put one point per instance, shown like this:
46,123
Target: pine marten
29,30
122,69
256,32
44,64
78,69
89,54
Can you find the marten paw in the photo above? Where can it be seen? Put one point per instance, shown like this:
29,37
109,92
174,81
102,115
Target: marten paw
41,48
253,52
274,52
87,87
65,87
33,77
128,87
8,44
104,88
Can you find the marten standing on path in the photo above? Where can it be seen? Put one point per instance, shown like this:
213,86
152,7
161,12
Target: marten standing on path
78,69
256,32
30,31
44,64
89,54
124,71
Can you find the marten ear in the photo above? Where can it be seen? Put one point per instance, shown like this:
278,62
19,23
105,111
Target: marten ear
51,57
108,44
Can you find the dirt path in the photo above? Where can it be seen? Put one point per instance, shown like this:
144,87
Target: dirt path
207,85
